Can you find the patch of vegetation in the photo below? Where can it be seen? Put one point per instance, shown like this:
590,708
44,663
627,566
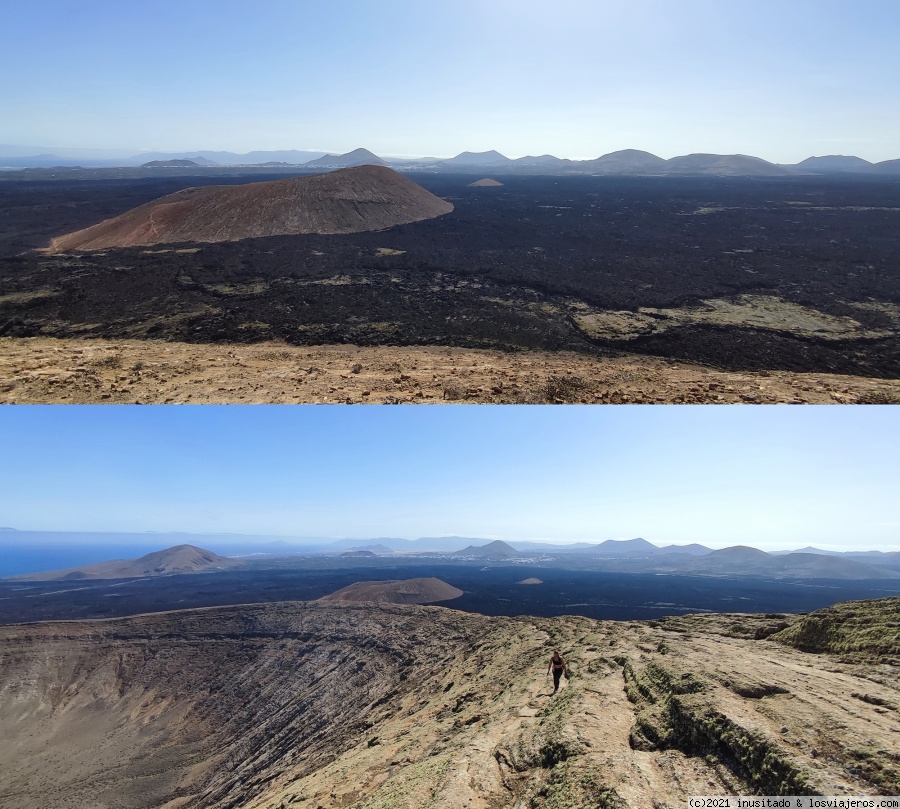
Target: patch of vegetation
568,786
650,689
673,713
27,298
600,665
560,704
277,356
699,729
251,288
544,748
864,631
453,390
755,627
655,682
555,751
878,767
651,730
548,744
109,361
754,690
404,789
561,389
879,397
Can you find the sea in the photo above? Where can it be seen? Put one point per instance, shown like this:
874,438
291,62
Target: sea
23,552
18,560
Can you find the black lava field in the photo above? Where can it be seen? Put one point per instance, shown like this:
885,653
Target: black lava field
489,590
502,271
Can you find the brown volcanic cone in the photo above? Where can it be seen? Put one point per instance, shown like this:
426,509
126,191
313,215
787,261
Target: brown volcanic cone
346,201
404,591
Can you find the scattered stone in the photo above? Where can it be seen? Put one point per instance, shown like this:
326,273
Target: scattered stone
46,370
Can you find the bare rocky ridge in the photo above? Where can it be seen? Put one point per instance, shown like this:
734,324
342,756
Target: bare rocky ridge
48,370
351,200
405,591
315,705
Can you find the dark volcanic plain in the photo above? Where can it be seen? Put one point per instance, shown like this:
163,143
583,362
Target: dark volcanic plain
489,589
798,274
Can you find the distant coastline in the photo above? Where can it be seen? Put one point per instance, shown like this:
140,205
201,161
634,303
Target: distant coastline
17,560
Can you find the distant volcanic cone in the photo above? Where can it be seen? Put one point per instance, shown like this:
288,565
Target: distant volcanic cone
402,591
346,201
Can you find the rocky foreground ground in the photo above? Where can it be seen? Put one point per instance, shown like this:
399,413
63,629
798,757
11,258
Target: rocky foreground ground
315,706
48,370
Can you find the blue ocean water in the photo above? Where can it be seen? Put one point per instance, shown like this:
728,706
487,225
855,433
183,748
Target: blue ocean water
16,560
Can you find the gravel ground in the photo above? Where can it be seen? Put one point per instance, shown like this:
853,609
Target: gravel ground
48,370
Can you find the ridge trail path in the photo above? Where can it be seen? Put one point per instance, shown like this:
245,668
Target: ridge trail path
599,717
492,759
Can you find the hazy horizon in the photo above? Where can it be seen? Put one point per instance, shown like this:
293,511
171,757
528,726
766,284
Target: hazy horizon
781,82
772,478
21,553
91,153
124,539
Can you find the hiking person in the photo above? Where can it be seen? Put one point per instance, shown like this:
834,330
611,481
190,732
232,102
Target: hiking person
558,666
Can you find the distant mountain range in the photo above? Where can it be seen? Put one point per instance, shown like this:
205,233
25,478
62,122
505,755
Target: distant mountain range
622,162
23,157
639,555
358,157
631,555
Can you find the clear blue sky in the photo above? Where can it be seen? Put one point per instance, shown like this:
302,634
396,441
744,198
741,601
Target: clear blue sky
765,476
781,79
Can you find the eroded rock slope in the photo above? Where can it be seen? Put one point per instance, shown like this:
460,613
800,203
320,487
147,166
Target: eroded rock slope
322,705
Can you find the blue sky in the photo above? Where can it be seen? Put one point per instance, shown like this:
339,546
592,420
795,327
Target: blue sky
774,478
781,79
